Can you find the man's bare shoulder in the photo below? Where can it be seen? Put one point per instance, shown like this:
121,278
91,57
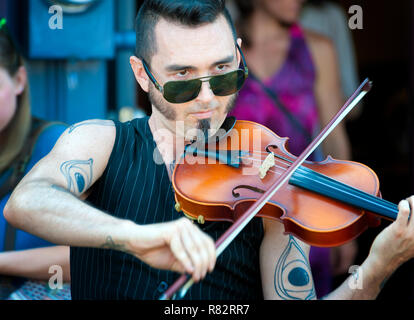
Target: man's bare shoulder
78,158
90,138
95,125
95,130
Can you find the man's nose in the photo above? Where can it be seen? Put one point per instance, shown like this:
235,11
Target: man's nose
206,94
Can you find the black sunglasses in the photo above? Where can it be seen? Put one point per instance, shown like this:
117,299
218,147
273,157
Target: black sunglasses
187,90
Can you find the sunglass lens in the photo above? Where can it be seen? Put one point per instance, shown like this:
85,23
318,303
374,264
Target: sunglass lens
182,91
228,83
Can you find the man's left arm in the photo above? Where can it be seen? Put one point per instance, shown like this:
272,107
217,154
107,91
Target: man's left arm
285,268
284,265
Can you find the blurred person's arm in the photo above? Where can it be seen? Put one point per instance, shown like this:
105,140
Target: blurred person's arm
35,263
328,94
346,53
330,20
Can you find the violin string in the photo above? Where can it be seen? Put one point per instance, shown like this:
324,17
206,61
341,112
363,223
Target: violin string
389,206
253,159
283,162
270,170
275,155
278,159
262,152
261,160
282,159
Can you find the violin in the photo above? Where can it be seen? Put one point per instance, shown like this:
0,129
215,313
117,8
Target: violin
324,203
249,173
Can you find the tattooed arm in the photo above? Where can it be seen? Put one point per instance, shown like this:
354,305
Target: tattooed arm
47,200
48,203
286,273
284,265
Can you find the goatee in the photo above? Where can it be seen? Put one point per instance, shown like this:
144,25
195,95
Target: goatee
203,126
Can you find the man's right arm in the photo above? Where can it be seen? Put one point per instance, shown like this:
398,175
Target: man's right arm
48,203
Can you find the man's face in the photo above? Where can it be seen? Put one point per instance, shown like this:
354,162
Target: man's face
185,53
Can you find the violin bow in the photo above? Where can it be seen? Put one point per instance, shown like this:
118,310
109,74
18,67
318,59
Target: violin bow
183,283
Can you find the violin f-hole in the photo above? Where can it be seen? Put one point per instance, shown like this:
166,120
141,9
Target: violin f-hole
254,189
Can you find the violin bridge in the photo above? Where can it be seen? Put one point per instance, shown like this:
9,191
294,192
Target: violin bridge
266,165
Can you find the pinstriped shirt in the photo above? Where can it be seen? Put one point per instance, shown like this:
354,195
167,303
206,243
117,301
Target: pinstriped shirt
134,187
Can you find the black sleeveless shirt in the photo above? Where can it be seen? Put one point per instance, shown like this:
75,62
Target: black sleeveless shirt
134,187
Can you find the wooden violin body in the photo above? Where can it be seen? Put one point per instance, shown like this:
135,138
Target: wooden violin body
206,189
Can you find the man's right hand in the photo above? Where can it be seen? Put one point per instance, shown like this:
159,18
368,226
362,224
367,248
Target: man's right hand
178,246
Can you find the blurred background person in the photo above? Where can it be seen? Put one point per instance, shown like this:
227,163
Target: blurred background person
328,18
24,259
294,88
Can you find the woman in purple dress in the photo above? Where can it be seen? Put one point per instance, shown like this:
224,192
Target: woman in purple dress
293,89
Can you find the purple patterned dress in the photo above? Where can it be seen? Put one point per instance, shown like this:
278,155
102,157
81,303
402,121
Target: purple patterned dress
294,87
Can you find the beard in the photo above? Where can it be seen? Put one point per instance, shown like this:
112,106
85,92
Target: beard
158,101
204,125
168,111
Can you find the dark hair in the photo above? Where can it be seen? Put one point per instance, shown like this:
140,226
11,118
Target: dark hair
9,57
316,2
245,9
17,130
186,12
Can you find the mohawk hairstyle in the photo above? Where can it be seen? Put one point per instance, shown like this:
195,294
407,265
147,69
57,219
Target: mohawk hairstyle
191,13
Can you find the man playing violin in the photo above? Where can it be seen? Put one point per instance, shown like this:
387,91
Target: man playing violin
101,191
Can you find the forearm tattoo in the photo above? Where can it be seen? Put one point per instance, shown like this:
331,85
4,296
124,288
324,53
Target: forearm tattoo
293,277
110,244
106,123
78,175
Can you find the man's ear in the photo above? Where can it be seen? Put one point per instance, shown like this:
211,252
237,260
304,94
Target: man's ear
139,72
20,80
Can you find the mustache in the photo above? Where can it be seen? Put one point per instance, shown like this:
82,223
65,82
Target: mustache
204,107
